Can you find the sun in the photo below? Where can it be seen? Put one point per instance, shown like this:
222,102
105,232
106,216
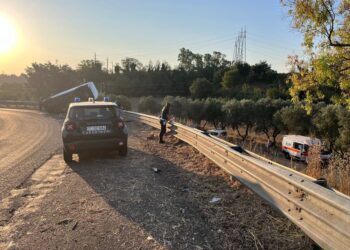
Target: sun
8,36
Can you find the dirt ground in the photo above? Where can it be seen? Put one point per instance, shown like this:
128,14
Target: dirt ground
113,202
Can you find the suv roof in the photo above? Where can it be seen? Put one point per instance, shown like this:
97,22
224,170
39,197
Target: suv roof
91,104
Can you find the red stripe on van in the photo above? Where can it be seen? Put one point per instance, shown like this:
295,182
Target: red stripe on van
291,149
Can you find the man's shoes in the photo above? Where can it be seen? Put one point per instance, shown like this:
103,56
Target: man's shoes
161,141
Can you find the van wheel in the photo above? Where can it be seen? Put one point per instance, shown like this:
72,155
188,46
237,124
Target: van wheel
123,151
67,156
286,155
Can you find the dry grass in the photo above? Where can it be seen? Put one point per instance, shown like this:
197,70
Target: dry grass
240,219
337,172
314,165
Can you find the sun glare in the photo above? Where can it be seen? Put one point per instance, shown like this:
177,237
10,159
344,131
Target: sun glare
8,36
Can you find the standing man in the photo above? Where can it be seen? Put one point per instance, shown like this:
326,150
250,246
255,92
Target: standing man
164,118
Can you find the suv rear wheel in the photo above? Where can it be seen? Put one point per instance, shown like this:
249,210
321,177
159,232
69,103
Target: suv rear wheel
67,156
123,151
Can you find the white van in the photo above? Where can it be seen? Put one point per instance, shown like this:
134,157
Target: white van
297,146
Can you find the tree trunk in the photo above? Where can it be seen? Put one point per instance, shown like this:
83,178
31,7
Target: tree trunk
275,133
245,135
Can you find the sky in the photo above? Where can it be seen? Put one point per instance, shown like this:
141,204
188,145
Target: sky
66,31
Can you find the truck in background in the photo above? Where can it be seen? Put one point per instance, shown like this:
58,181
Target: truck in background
60,101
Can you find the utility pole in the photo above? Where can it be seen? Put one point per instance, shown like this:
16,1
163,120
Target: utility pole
95,58
107,64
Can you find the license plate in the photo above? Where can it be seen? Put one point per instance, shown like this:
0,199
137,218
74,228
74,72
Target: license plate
92,130
95,128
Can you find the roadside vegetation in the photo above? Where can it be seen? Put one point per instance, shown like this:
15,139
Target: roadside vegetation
265,119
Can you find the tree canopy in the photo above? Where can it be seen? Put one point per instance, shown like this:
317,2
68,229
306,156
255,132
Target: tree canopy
325,25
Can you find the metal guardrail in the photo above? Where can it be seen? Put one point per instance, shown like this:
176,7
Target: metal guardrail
324,215
19,104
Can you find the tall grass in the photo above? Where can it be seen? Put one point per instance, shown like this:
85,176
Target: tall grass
336,172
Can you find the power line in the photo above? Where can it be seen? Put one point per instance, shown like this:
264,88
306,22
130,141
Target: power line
175,46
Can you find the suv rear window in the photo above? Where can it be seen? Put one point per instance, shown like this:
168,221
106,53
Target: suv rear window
92,113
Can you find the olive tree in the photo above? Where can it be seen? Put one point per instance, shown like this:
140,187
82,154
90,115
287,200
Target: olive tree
121,100
240,114
195,111
214,113
265,121
149,105
294,119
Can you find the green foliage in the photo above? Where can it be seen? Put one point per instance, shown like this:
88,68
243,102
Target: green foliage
332,124
262,73
91,70
326,122
179,105
265,119
14,91
276,93
326,75
248,92
241,114
131,64
343,141
201,88
47,79
131,78
149,105
121,100
232,78
214,113
295,120
195,110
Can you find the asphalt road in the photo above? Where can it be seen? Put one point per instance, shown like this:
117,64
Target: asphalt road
27,140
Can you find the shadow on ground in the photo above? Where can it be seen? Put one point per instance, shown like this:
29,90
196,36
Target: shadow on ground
174,205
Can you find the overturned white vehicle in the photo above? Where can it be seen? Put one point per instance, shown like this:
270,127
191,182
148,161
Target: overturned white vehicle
60,101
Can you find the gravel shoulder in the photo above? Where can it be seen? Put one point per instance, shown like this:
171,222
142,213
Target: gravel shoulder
112,202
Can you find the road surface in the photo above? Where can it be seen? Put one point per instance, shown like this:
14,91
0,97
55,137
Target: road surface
112,202
27,140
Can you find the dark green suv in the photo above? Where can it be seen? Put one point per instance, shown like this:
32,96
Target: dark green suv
92,126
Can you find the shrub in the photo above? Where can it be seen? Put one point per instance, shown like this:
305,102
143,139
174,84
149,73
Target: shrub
201,88
195,111
149,105
241,114
121,100
213,112
295,120
343,141
178,106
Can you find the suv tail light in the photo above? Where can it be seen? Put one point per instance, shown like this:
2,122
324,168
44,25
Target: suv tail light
120,124
70,126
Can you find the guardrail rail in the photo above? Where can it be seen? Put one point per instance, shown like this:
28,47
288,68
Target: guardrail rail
323,214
